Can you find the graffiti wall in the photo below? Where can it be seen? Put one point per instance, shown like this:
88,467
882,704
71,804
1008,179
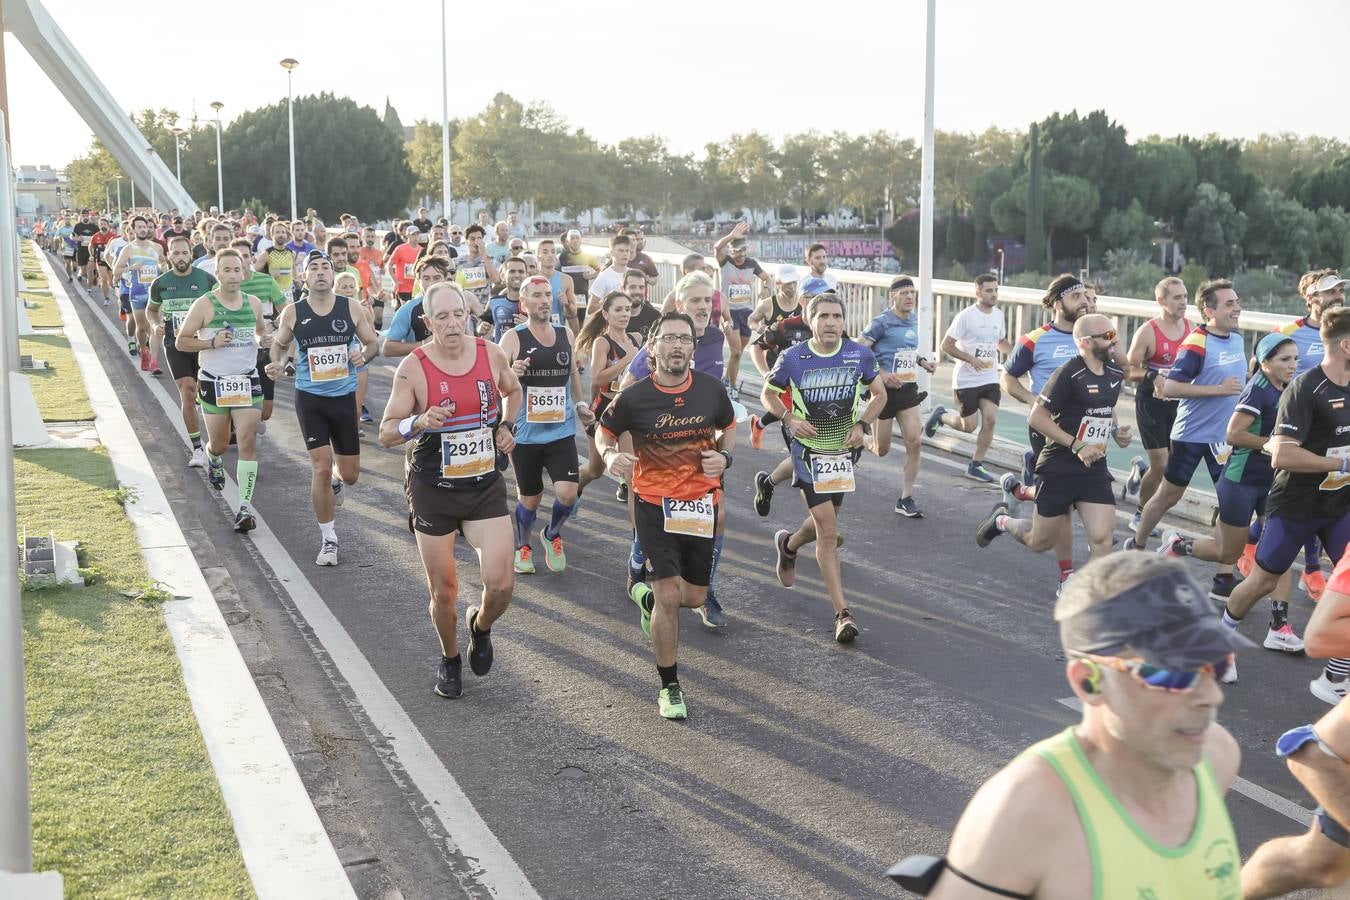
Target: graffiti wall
858,254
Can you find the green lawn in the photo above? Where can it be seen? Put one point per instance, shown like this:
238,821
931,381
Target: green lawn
58,389
46,314
125,803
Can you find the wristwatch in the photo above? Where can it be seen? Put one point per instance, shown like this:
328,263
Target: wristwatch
726,454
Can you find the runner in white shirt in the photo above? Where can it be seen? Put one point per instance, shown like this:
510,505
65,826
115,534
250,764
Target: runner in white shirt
611,277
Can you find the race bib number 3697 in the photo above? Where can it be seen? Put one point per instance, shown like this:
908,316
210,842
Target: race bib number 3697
691,517
327,363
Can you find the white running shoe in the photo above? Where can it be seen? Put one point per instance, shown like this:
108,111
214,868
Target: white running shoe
198,460
327,554
1328,691
1283,639
1230,676
1169,545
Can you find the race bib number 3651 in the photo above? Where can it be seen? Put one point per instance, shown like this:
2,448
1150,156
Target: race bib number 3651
832,473
691,517
467,454
546,405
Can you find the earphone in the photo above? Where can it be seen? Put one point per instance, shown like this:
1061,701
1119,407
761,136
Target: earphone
1093,683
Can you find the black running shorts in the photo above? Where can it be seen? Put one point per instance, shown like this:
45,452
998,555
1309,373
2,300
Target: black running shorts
1057,492
530,461
437,512
672,555
329,421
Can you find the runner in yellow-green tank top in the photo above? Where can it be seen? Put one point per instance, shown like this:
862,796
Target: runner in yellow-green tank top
1129,803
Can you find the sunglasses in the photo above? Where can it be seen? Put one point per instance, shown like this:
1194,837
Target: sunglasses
1105,335
1176,681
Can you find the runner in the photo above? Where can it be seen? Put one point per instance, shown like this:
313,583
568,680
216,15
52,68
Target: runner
564,297
823,377
123,286
818,260
323,325
476,273
370,263
611,277
579,265
402,260
142,259
683,430
276,260
1246,481
546,413
219,237
783,302
264,287
83,232
612,345
504,312
1076,412
643,314
1316,755
171,297
1130,801
1153,352
409,329
102,265
641,261
222,328
739,272
447,399
1310,494
499,247
65,234
975,338
893,338
346,284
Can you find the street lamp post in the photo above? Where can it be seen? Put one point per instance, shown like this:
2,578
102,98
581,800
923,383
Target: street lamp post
119,200
150,168
220,163
289,65
445,122
177,152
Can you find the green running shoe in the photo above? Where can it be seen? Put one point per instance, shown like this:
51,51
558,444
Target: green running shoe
524,561
641,594
672,702
554,557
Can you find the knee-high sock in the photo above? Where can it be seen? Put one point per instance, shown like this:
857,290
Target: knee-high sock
559,516
246,473
524,521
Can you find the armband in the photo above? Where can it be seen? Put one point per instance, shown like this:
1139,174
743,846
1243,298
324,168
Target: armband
920,874
407,428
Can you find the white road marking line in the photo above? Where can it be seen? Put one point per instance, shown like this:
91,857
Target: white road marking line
467,833
1267,798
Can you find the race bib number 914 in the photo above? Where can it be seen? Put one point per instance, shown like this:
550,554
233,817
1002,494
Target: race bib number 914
1095,430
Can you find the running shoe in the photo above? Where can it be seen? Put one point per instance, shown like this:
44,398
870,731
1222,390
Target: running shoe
1138,467
198,460
1137,518
978,472
133,348
1169,545
154,367
145,360
787,560
366,417
756,433
1130,544
290,369
641,594
711,612
621,494
934,421
906,507
1028,467
327,553
1010,486
988,529
107,301
243,520
1230,674
1247,560
672,702
635,576
262,429
480,645
554,557
1313,584
1221,588
1328,691
336,484
215,474
524,560
763,493
448,681
1283,639
845,629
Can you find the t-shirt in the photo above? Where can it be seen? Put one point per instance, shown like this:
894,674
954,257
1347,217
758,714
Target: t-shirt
174,295
977,333
1207,358
84,233
1041,351
1081,402
498,253
404,327
575,265
268,292
423,225
1315,411
738,282
111,252
644,262
1308,339
401,263
825,389
472,275
895,342
782,334
671,427
707,355
610,279
644,317
1261,400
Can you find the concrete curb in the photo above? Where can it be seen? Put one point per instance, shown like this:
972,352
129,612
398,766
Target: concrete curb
284,845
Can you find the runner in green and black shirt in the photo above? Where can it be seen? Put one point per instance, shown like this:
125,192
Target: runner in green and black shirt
171,295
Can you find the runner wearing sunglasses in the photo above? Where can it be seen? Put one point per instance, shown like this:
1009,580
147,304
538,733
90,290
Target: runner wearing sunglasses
1130,801
1076,413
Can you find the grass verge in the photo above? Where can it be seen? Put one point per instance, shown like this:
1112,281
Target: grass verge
58,389
125,802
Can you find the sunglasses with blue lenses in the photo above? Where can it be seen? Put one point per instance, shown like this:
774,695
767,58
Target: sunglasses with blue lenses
1178,681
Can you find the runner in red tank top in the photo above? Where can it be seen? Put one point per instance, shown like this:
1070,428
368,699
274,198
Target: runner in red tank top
447,398
1152,353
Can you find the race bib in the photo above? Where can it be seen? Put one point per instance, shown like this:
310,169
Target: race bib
691,517
467,454
327,363
906,364
1336,480
146,274
176,321
408,271
1221,452
832,473
234,391
475,277
987,351
1095,430
739,294
555,320
546,405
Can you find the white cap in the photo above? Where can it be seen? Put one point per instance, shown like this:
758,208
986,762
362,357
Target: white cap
1330,282
787,274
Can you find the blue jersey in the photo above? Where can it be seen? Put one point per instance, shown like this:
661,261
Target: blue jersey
503,310
1261,400
1207,358
546,413
1041,351
323,362
890,334
826,390
402,328
707,356
1308,339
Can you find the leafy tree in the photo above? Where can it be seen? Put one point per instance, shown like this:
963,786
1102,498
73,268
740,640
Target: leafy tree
749,159
799,170
1274,158
1280,232
1091,147
993,183
1333,237
1218,161
1327,184
424,157
392,121
1069,206
1193,274
1034,210
1130,273
1129,229
1164,179
1213,229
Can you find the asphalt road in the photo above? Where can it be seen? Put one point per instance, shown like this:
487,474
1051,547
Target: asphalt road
806,767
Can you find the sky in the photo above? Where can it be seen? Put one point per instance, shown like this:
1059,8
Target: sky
699,70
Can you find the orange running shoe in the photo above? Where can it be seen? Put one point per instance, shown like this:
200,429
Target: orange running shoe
756,433
1314,583
1247,560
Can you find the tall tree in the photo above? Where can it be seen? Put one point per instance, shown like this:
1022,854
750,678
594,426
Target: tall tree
799,168
1218,161
1164,178
1280,232
1213,229
1092,147
1033,211
392,121
424,158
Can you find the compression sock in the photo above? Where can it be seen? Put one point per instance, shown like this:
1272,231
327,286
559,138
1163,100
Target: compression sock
668,674
1338,668
717,555
328,531
246,473
196,438
524,521
1312,556
560,514
636,558
1279,614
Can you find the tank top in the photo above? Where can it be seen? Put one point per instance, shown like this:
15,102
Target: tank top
546,414
613,354
778,314
281,266
1128,864
461,455
1165,349
322,364
240,355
